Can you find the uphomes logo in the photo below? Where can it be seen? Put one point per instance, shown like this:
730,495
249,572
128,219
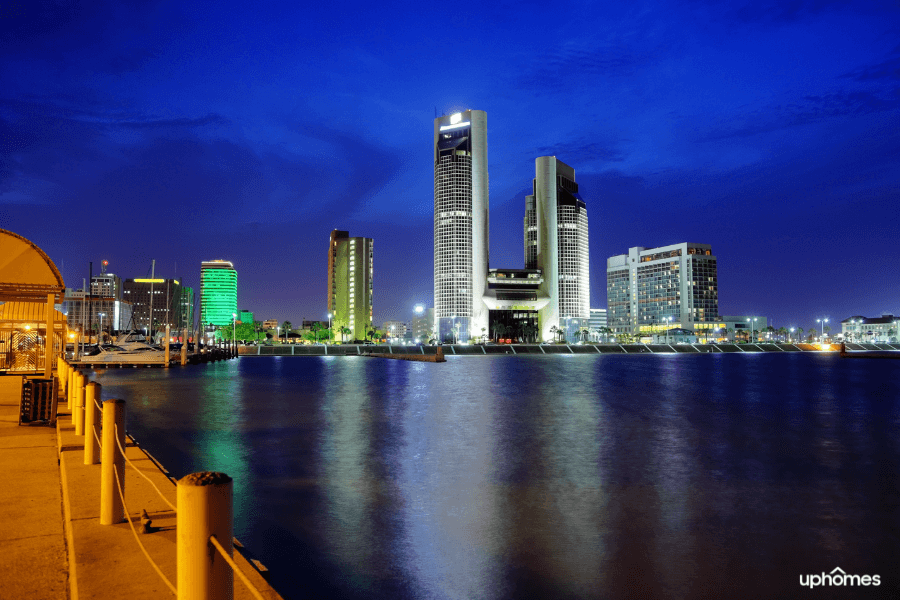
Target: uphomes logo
838,577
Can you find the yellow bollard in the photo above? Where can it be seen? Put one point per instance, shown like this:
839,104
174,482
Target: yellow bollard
112,462
184,347
78,414
70,397
204,503
91,423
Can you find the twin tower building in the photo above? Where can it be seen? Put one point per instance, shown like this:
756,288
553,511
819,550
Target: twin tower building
547,299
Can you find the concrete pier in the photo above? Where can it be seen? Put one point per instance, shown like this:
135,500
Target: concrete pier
53,545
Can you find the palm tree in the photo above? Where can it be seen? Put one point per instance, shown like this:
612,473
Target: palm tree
555,331
500,330
287,327
344,331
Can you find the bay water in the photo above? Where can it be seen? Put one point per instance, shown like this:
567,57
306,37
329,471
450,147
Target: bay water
557,476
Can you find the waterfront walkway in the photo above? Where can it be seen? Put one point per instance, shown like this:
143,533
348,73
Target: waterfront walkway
51,539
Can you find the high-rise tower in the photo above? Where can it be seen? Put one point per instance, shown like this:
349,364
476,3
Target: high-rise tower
218,292
460,224
350,274
556,242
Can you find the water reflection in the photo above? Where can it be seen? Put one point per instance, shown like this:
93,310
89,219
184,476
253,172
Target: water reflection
534,477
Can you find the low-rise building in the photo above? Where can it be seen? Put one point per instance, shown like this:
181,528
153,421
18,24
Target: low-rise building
857,328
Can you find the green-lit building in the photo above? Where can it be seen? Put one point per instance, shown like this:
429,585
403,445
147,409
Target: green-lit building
245,316
218,292
350,272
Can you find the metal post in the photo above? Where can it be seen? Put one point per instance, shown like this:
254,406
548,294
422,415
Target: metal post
78,415
204,503
168,356
184,349
112,463
91,423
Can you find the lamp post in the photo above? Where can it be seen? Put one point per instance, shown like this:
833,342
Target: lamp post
278,333
233,328
329,325
751,324
822,321
791,337
668,321
101,315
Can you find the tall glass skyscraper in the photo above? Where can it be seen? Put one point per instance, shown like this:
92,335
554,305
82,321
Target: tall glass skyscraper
218,292
556,242
460,224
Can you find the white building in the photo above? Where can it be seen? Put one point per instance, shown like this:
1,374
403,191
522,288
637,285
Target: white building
655,289
460,224
556,242
885,328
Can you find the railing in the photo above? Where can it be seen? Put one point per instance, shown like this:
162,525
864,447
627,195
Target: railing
204,520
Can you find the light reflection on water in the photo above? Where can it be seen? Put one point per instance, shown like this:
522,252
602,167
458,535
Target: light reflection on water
541,476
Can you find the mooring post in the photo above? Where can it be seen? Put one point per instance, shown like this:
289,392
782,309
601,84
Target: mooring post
184,348
78,414
168,355
204,503
91,423
113,463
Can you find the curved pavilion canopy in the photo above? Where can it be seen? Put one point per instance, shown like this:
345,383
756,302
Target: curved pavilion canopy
29,277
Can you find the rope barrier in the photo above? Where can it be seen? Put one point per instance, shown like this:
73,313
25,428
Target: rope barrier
97,437
138,539
119,444
235,568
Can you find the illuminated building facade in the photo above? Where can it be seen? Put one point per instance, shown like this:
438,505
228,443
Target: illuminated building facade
173,303
422,324
218,292
556,243
460,224
350,279
655,289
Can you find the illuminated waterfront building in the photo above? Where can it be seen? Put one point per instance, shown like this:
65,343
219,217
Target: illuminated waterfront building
350,277
218,292
654,289
460,224
173,303
422,323
556,243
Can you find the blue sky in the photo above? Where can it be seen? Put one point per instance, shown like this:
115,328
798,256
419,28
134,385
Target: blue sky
133,131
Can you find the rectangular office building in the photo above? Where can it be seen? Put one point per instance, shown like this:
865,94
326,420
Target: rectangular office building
656,289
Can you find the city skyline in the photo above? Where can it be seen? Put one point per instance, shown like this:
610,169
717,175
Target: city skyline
767,131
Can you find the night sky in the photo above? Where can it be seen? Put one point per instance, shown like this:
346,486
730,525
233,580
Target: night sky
132,131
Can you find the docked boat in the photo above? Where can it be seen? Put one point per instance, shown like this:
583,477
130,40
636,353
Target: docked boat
132,353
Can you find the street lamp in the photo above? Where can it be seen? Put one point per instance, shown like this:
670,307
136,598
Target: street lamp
791,339
668,321
752,327
101,315
233,328
329,325
822,321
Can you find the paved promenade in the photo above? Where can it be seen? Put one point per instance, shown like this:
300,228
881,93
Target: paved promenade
51,542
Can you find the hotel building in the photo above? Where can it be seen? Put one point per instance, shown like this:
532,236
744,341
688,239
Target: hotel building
218,293
350,273
460,224
655,289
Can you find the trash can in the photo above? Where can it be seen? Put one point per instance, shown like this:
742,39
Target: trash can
39,400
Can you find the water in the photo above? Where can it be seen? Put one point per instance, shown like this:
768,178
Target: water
668,476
